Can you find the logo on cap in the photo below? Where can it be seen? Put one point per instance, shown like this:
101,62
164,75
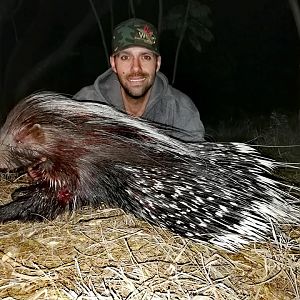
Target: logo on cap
146,34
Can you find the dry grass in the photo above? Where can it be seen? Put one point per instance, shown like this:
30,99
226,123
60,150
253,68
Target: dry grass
105,254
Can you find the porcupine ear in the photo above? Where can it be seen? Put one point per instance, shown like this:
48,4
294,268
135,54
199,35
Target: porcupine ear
33,134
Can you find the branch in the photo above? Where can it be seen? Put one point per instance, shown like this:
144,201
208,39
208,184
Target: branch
101,31
184,26
296,13
160,16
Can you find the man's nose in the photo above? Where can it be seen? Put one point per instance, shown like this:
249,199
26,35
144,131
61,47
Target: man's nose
136,64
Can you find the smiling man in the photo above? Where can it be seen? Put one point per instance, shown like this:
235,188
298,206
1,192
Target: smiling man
136,69
134,84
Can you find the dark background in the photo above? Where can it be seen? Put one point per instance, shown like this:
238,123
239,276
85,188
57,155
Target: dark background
249,69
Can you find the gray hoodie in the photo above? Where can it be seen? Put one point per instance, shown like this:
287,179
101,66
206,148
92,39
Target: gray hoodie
166,105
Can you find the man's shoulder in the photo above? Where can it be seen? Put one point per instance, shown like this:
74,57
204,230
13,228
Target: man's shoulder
179,99
174,95
179,95
93,91
87,93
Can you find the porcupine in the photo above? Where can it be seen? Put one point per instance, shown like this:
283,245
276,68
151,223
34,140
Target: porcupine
83,153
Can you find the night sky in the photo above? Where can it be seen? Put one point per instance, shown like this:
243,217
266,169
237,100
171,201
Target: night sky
251,67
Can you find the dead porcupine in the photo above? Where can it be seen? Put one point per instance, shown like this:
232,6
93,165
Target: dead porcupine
83,153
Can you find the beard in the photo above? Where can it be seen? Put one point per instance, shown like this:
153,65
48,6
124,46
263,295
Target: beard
136,91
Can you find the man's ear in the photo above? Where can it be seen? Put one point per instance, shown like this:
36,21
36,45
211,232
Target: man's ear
158,63
112,63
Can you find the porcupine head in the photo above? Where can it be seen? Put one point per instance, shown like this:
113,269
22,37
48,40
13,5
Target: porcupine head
28,140
20,141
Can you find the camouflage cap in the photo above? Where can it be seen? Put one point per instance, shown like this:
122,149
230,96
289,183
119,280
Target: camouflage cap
135,32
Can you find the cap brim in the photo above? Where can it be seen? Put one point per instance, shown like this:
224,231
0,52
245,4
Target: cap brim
135,45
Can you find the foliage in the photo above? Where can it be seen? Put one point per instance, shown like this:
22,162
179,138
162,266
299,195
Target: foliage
192,21
197,24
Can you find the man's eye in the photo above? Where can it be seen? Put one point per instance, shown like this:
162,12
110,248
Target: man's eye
124,57
147,57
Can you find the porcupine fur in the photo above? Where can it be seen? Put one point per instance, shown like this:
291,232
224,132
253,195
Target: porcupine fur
84,153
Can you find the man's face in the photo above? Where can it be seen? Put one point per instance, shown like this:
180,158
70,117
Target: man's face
136,69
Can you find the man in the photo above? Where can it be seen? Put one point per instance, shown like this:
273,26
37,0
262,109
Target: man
134,84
